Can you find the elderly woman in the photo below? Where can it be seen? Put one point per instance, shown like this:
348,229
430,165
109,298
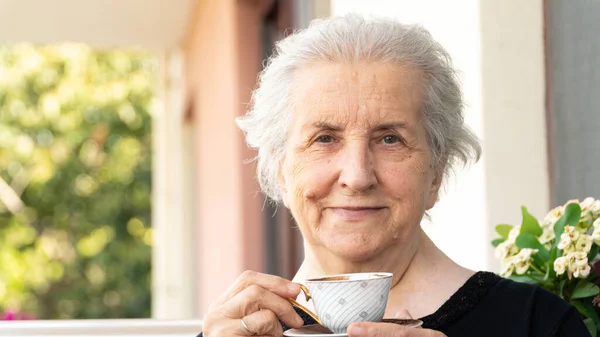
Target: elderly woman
357,122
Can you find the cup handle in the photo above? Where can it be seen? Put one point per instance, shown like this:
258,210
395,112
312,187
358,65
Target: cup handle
303,308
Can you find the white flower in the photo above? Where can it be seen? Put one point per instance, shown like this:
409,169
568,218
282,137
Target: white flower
582,272
521,267
570,249
584,244
547,236
596,236
514,232
560,265
597,223
585,271
548,222
565,241
595,208
572,232
586,219
503,249
572,268
513,250
553,216
572,201
507,267
578,259
587,202
524,255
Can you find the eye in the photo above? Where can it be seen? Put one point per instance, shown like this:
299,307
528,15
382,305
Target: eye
324,139
391,139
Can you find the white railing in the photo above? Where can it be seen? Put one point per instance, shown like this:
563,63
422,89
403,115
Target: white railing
101,328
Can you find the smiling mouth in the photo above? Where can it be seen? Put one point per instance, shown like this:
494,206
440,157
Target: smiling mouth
355,213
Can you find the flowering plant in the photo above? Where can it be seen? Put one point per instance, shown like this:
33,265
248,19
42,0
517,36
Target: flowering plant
559,254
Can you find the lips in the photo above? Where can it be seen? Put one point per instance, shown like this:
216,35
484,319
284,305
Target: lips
355,213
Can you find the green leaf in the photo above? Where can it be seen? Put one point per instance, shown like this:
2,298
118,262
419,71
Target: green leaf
528,240
550,273
591,326
585,289
540,263
593,253
503,230
570,217
498,241
522,279
586,308
530,223
582,310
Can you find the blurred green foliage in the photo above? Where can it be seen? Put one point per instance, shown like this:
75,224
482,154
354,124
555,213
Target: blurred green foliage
75,169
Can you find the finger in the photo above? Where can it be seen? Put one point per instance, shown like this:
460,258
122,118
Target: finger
274,284
365,329
263,323
255,298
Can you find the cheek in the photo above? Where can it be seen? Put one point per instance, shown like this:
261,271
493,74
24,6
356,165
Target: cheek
307,180
401,185
407,181
307,184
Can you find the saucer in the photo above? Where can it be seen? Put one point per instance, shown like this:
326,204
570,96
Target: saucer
316,330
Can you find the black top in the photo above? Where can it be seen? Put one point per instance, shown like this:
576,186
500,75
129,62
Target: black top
488,305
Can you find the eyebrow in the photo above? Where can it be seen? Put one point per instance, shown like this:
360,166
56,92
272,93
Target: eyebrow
391,126
323,126
379,127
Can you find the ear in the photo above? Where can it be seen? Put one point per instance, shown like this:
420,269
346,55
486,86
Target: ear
434,188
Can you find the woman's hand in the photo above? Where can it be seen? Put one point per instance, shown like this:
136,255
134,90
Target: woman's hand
365,329
253,306
389,330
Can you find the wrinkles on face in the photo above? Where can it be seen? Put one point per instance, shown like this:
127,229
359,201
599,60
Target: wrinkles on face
304,202
357,141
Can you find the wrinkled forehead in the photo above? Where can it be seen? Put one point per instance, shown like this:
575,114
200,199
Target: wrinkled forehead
359,93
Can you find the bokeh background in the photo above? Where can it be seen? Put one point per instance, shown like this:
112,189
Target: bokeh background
75,159
127,191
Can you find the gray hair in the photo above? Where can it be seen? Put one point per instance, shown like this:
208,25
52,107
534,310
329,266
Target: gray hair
352,38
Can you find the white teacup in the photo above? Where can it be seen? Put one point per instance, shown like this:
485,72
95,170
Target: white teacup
343,299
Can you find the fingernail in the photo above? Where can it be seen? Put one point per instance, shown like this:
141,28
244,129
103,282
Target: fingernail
355,331
293,287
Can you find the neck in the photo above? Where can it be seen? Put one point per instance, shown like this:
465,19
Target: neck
398,259
424,277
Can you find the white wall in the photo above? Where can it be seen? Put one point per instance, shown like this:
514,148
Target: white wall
153,24
504,95
513,97
174,257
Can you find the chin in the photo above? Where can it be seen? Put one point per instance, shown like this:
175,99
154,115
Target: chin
355,247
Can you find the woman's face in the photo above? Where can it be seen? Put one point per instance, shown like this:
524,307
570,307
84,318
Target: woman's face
357,173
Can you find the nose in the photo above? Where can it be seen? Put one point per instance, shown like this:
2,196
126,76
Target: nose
357,174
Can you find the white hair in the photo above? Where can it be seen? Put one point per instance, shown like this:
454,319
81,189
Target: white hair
349,39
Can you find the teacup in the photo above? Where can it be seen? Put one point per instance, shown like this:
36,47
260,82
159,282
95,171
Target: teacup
343,299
